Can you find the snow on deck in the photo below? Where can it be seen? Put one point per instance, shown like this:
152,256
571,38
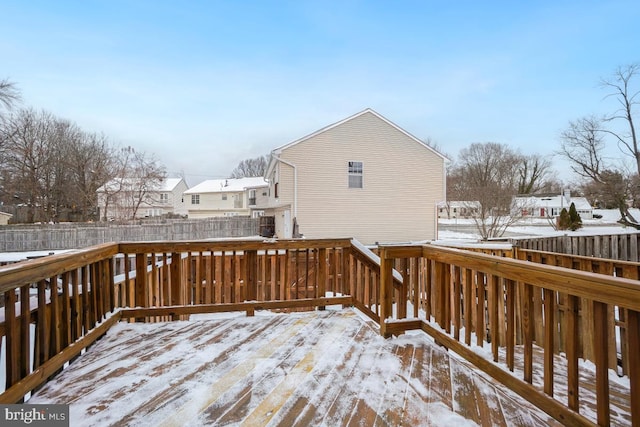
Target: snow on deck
312,368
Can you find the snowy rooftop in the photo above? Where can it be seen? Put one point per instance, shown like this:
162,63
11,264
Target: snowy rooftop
167,185
227,185
555,202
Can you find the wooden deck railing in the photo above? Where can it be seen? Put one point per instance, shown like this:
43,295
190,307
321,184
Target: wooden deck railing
459,297
469,299
72,299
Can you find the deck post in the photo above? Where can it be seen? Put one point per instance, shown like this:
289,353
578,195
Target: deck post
386,281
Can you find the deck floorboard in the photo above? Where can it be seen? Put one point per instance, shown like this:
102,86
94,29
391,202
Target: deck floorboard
316,368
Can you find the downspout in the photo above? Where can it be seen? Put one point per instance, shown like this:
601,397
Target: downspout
295,184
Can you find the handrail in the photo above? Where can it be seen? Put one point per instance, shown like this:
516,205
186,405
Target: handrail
501,301
76,292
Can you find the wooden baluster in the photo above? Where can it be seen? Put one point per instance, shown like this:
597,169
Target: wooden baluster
86,302
493,315
239,295
76,317
98,291
25,331
141,295
571,349
401,291
457,301
43,324
528,331
251,274
415,280
218,262
66,310
480,308
322,274
12,339
468,304
110,284
600,338
549,339
128,293
511,323
208,268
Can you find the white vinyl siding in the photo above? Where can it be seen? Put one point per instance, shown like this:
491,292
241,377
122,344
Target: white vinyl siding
405,181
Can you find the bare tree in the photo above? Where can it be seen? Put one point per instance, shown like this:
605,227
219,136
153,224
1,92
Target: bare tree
487,173
582,144
533,173
620,85
90,162
28,162
147,175
9,94
137,176
251,167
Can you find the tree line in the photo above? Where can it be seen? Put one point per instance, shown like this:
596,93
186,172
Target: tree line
51,169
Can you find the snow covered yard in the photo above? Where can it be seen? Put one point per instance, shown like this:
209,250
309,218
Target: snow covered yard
464,229
312,368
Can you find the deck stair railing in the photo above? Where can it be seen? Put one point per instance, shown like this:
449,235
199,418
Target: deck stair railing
467,300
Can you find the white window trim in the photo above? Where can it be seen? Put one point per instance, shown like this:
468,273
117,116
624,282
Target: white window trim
361,174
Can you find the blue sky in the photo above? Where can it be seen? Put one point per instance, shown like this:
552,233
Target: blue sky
205,84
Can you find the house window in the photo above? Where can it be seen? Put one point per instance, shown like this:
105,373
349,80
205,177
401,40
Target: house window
252,197
224,197
355,174
195,199
275,190
164,197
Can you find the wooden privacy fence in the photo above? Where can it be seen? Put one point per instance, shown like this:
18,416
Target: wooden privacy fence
471,299
622,247
72,299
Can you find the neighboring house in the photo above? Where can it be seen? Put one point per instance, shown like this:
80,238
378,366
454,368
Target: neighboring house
227,197
458,209
362,177
550,205
4,218
164,200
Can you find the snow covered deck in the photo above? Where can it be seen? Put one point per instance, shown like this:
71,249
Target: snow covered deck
310,368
